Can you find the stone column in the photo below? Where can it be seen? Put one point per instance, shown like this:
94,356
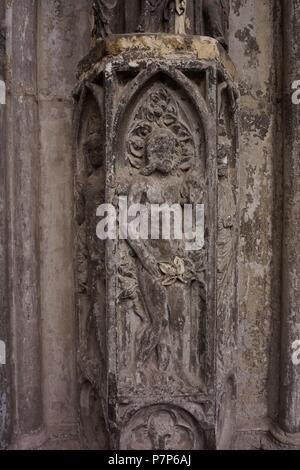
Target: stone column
45,41
23,232
149,132
289,416
4,317
64,37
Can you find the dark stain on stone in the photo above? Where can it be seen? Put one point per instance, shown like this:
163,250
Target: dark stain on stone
236,6
258,124
251,46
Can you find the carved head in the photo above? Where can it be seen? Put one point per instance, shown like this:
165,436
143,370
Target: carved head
166,433
94,150
161,148
161,426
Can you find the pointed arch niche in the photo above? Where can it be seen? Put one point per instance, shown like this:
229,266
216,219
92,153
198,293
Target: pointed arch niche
168,139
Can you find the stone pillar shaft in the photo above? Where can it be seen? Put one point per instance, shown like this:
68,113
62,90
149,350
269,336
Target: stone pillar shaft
289,419
4,317
23,188
161,141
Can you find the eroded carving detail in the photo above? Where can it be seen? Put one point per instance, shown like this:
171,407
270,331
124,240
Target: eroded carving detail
162,16
161,428
216,19
2,51
162,285
227,183
160,111
168,324
90,258
165,16
226,269
103,10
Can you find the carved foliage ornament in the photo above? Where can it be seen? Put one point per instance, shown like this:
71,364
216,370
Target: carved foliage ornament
160,112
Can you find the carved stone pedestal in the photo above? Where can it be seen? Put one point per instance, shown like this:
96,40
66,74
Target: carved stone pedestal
156,122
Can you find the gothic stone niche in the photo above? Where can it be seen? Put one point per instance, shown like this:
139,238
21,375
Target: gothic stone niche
161,287
163,314
170,323
90,267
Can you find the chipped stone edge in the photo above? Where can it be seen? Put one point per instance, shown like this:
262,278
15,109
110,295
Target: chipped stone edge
159,46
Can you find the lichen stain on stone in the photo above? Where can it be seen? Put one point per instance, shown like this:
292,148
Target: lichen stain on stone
58,8
258,124
257,218
236,6
251,47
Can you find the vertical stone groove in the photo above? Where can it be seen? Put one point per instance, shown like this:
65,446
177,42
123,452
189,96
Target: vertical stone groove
23,187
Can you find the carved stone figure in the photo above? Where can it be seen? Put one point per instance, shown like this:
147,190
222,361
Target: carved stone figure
165,16
102,12
161,15
162,275
166,361
226,264
215,18
226,197
91,250
227,211
91,286
154,15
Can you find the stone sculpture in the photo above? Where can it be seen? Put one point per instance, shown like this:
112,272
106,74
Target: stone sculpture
91,283
103,10
164,347
210,17
215,18
161,428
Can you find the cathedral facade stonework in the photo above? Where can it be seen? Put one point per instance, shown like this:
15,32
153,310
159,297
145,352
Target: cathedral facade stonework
131,343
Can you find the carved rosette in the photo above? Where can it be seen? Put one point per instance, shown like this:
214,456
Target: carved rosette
160,111
157,319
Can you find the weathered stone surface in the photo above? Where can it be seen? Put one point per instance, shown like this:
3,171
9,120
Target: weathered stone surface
159,46
2,41
205,17
41,63
255,47
289,415
254,390
23,241
64,37
167,322
5,410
